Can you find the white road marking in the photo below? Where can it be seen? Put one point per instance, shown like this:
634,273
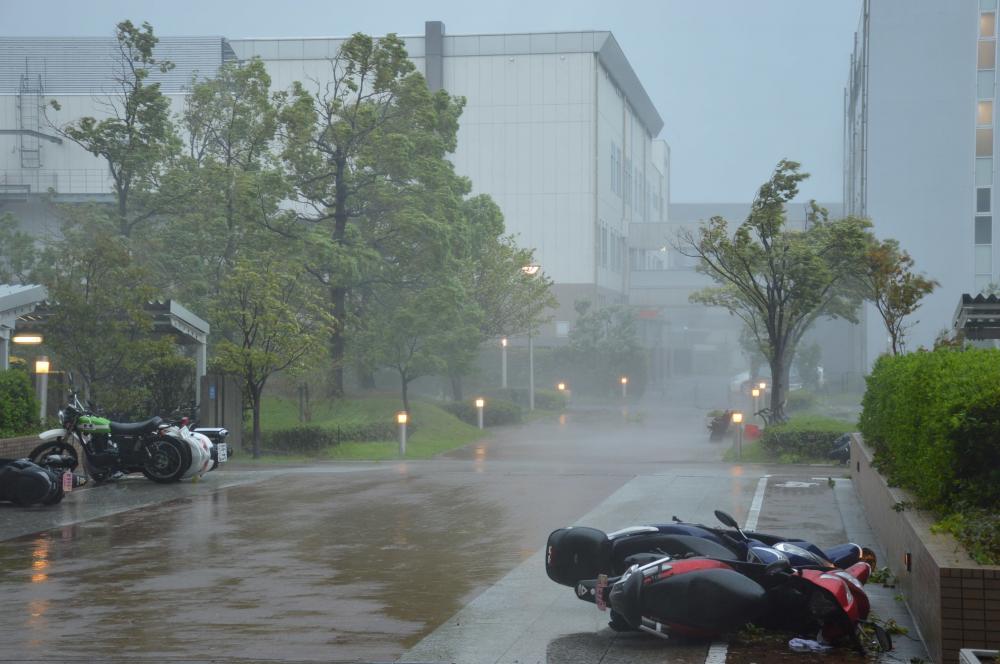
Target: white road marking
718,651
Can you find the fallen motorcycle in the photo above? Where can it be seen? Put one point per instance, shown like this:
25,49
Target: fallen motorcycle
162,451
25,483
703,598
584,553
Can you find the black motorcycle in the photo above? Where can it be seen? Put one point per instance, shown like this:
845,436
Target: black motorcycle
113,449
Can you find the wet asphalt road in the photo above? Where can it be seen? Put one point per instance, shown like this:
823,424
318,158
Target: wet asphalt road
432,561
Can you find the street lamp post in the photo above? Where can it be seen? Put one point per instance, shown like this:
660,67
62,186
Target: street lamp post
738,421
531,270
42,370
401,418
624,387
755,393
480,403
503,363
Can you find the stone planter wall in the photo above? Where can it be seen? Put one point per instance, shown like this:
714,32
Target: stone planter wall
17,448
955,601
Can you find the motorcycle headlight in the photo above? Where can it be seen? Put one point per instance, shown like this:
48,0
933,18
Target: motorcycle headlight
62,416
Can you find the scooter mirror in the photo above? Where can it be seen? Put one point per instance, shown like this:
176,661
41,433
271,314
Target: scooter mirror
726,519
777,567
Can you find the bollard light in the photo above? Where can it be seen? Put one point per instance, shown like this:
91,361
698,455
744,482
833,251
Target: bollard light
737,418
503,342
561,387
42,365
755,392
401,419
480,402
762,385
624,380
738,421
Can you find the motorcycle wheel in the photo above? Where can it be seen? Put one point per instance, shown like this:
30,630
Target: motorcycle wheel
47,449
168,460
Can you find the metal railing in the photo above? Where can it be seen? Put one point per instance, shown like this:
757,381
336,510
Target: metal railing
59,181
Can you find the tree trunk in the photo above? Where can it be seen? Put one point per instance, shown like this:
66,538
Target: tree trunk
255,393
337,341
456,387
778,389
366,377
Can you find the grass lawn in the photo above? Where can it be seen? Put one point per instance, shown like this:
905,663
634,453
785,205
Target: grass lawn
437,431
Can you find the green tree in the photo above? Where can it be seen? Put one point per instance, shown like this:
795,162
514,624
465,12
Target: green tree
807,361
99,327
137,137
604,346
357,150
892,286
278,325
18,252
778,280
510,302
227,188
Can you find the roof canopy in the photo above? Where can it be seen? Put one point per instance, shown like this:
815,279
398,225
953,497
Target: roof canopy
978,317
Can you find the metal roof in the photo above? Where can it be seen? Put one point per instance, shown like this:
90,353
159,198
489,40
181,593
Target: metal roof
978,317
86,65
14,299
169,317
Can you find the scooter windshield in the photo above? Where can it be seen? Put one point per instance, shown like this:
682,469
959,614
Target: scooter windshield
797,552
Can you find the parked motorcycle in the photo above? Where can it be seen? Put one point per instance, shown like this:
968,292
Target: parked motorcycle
162,451
584,553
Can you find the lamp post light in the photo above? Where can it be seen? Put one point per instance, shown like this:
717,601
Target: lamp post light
42,371
624,381
27,339
480,403
503,363
755,393
531,270
401,418
738,421
561,387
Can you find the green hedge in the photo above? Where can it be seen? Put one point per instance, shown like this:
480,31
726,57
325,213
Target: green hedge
497,412
803,438
315,439
544,399
18,405
933,420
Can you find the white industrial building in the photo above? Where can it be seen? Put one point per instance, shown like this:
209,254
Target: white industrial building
920,146
557,128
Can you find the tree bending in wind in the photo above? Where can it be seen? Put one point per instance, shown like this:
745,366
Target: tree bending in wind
779,280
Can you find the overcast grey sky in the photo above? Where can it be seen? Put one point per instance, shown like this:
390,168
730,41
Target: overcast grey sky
740,84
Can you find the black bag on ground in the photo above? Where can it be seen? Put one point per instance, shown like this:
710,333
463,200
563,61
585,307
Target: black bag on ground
25,483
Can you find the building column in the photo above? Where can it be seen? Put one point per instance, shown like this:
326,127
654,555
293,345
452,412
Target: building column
4,349
201,368
434,55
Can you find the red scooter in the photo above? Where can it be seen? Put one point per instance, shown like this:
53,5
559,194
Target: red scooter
704,597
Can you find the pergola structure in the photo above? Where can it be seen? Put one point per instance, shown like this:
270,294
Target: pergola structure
15,301
28,312
978,318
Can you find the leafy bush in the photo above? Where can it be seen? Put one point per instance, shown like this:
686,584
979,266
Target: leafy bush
544,399
18,405
933,420
978,530
803,438
800,400
314,439
497,412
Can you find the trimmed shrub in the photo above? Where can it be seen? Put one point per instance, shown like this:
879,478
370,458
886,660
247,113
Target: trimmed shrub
800,400
315,439
18,405
497,412
803,438
544,399
933,420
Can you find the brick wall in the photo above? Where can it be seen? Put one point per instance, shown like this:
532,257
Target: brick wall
954,600
17,448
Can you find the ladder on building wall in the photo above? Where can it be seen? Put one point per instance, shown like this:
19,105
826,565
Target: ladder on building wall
29,101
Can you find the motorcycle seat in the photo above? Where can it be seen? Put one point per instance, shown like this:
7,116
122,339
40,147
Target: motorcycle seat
716,600
676,546
136,428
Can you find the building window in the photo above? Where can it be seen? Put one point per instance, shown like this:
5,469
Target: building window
984,172
984,230
987,55
984,113
984,84
987,24
984,142
983,199
984,259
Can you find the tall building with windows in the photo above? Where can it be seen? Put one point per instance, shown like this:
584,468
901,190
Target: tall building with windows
920,146
557,128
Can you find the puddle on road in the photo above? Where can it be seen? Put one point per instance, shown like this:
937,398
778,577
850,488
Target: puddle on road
296,568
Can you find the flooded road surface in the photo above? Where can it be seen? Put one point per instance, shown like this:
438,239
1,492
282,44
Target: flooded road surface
431,561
